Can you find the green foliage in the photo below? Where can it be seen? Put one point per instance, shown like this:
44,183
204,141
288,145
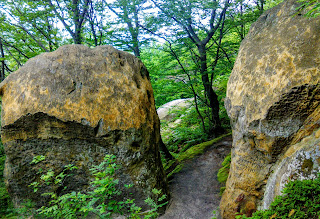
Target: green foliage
165,76
220,83
300,199
312,7
102,200
153,213
26,210
38,159
170,81
126,30
184,134
26,30
189,154
223,172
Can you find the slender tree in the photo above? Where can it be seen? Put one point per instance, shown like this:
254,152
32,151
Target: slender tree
27,28
260,5
2,59
131,16
201,22
72,14
96,15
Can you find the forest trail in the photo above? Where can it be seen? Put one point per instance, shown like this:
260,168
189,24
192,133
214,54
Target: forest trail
195,189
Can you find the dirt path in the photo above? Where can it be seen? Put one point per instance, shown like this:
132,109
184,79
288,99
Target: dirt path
195,189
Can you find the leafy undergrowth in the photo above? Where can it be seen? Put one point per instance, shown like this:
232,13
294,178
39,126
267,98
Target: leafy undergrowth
183,130
174,166
171,167
223,172
300,199
102,200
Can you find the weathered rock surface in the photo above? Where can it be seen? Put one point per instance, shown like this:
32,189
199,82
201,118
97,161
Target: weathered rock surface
171,116
75,105
168,111
273,102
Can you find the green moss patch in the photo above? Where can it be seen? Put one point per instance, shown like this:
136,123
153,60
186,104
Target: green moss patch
307,165
174,166
175,170
224,170
199,149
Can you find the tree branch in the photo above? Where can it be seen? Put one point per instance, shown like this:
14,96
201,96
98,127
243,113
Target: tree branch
28,32
8,44
61,19
18,62
212,27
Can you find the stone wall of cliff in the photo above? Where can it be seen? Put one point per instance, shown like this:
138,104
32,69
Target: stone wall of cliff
273,101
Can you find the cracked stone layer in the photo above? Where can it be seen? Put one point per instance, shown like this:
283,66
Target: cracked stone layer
75,105
273,101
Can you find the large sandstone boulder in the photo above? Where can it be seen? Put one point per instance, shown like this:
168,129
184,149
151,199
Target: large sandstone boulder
75,105
273,102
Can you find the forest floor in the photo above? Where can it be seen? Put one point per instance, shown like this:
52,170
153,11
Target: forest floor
195,189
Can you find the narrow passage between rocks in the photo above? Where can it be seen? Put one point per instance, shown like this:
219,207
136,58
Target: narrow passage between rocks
195,189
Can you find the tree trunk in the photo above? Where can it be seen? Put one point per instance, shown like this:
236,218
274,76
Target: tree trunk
136,49
77,36
242,28
165,150
260,5
2,70
76,20
216,128
49,36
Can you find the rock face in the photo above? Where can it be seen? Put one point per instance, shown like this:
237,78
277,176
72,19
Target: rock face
273,102
75,105
167,111
168,115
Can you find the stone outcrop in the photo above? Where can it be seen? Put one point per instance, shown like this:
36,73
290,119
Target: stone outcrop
273,101
168,115
75,105
167,112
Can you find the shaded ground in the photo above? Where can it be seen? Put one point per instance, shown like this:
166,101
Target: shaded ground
195,189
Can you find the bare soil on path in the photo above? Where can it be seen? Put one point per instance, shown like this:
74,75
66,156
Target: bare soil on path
195,189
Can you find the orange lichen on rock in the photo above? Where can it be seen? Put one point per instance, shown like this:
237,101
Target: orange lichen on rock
75,105
60,88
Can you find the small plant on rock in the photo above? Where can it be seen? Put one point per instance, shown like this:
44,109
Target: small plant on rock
223,172
300,199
